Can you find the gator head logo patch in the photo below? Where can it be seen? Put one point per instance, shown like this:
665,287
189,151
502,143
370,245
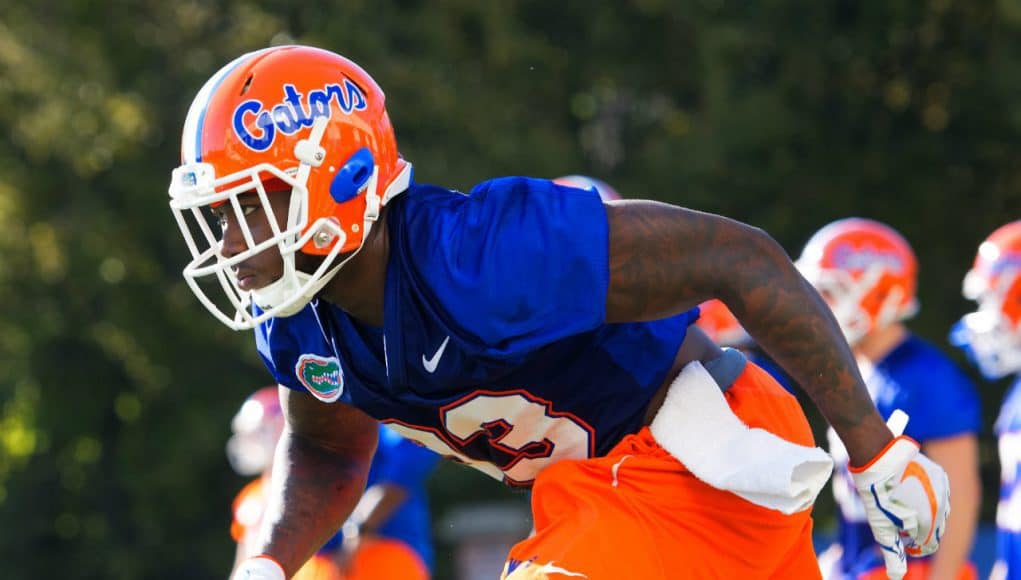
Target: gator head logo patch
322,376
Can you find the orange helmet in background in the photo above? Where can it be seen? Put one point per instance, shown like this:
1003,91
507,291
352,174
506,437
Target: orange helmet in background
721,325
291,118
319,567
605,192
866,271
992,334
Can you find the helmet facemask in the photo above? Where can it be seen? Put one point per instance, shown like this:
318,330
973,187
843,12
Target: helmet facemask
989,337
310,122
846,296
194,188
865,270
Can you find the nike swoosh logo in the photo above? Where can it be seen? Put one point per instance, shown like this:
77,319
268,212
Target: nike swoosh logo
430,364
915,470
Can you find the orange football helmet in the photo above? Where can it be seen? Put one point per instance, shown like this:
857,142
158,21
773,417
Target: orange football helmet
721,325
992,334
865,270
606,192
256,428
290,118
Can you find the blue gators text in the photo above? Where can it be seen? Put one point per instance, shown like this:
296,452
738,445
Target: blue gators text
294,113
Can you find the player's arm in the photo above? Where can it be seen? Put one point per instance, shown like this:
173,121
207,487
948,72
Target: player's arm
319,474
666,259
959,457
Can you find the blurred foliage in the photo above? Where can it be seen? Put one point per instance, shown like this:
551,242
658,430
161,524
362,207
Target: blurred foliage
116,387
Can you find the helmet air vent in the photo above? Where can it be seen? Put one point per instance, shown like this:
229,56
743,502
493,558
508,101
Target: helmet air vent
248,84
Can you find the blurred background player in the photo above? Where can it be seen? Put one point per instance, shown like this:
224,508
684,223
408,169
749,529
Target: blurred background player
867,272
991,336
387,535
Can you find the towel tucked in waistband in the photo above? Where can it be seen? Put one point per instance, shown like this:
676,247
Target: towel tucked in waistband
697,426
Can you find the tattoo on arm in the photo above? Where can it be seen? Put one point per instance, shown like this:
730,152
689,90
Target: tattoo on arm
665,259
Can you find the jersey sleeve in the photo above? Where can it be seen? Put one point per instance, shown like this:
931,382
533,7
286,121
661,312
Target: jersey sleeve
278,350
287,344
946,404
517,264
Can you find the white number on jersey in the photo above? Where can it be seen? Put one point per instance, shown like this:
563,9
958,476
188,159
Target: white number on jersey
529,431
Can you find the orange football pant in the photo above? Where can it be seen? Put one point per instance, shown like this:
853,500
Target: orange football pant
382,558
639,513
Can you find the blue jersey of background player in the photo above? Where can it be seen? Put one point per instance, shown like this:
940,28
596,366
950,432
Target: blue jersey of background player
389,534
1008,509
943,406
867,273
991,336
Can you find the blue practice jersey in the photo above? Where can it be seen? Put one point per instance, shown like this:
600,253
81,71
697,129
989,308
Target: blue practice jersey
1008,511
494,348
940,401
403,463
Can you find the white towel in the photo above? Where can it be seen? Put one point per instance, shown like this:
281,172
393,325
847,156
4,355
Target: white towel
697,426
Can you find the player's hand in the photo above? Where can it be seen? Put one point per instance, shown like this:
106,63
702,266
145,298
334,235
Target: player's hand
259,568
907,499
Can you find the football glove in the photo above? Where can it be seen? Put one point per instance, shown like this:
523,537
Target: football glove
907,499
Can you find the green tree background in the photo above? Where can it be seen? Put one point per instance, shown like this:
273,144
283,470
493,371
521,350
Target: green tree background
116,387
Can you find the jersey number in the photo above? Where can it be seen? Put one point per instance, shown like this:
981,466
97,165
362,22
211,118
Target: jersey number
514,425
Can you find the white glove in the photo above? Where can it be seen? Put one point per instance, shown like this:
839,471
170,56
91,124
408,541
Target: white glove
259,568
907,499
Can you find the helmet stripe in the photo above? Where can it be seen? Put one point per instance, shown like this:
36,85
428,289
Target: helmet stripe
191,139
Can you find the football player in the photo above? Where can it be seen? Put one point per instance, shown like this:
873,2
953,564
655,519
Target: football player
867,272
991,336
527,329
387,535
